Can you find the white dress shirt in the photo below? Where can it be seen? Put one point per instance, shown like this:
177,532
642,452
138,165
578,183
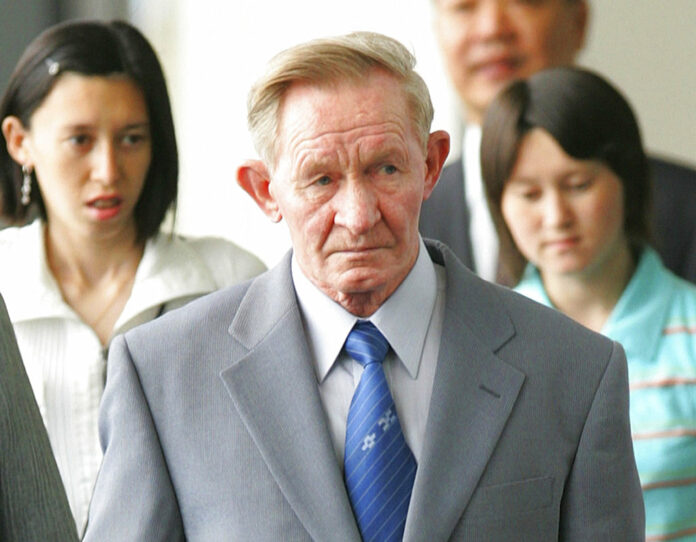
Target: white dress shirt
64,358
410,319
484,238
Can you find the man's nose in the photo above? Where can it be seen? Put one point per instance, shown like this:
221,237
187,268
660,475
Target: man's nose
491,19
357,206
105,167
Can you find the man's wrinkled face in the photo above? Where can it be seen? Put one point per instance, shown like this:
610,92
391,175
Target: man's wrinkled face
350,178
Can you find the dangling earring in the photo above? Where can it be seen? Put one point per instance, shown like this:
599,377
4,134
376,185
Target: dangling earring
26,185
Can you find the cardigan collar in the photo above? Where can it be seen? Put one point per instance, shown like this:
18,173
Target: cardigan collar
170,269
640,307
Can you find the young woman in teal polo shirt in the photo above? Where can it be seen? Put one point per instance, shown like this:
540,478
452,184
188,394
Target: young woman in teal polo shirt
568,183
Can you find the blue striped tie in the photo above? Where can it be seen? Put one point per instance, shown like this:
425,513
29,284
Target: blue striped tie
379,466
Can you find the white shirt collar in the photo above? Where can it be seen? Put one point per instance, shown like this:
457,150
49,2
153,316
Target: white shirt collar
484,237
471,148
169,269
473,186
403,318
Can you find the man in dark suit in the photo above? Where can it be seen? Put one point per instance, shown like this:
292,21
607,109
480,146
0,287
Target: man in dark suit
33,505
369,386
486,44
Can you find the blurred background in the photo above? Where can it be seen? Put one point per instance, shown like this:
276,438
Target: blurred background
212,50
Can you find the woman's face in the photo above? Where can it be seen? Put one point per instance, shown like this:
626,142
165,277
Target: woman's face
565,215
89,143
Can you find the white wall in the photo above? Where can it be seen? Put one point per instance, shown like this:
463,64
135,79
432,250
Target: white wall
213,50
647,48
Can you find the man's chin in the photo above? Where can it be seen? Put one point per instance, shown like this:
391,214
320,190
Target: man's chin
486,94
358,281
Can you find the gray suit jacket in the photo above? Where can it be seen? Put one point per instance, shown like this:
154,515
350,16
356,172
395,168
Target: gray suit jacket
213,427
445,216
33,505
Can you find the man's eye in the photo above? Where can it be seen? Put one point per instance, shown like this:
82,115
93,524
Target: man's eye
389,169
463,6
79,139
323,181
530,2
580,185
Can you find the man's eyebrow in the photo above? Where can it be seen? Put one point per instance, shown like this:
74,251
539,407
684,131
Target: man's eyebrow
387,150
311,162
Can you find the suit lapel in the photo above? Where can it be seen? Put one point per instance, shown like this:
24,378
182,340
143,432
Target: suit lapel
274,389
473,395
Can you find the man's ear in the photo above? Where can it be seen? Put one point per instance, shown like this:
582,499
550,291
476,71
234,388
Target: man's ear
254,178
15,137
582,23
437,151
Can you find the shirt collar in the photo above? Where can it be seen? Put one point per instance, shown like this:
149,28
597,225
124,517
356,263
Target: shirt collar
638,308
403,318
471,142
471,162
168,270
34,293
641,307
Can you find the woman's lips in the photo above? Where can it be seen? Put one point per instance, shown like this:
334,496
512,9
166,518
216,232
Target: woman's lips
104,203
105,207
562,244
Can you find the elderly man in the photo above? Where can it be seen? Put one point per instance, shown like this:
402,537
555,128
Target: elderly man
369,386
485,45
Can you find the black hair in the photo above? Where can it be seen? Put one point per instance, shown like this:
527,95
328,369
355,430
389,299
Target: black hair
94,48
589,119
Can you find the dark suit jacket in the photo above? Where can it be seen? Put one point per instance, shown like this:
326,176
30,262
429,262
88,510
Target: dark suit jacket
445,216
33,505
213,426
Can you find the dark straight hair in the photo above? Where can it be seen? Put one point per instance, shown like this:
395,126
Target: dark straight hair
589,119
94,48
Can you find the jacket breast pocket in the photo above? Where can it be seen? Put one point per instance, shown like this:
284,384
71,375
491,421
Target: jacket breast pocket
505,500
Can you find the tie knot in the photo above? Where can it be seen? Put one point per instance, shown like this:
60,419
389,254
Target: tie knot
365,344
